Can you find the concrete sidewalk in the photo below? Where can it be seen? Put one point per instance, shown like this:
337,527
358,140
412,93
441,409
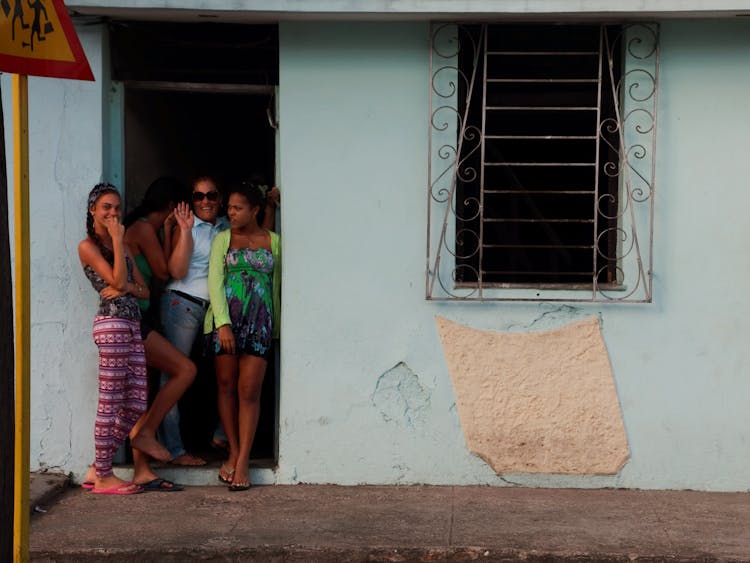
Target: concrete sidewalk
405,523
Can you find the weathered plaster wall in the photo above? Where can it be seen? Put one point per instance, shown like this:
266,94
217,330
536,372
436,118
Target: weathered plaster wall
65,130
352,109
365,391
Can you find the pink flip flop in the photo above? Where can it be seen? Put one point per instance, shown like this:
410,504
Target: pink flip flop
88,485
122,489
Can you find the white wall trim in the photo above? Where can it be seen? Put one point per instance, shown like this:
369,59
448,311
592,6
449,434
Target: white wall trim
274,10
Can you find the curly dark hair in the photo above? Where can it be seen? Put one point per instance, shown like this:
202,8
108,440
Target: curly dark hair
254,194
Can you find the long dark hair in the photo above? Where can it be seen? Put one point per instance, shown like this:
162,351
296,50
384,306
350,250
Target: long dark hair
159,195
98,191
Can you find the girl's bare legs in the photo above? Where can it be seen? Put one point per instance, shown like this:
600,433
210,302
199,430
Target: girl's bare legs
226,377
163,356
250,381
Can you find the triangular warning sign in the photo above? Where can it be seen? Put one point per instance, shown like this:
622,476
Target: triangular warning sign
37,38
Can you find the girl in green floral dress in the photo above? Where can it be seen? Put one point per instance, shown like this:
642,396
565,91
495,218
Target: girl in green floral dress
244,276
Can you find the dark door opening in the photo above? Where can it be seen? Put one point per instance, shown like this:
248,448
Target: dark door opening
204,106
184,133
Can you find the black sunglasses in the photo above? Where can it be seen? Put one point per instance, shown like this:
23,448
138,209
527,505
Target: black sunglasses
210,196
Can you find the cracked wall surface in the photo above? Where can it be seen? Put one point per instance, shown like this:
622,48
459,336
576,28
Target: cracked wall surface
542,402
400,397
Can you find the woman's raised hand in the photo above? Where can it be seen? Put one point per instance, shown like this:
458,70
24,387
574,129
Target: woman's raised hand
226,339
273,197
184,216
115,229
169,222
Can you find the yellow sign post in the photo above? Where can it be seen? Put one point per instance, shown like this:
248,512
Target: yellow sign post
23,310
37,38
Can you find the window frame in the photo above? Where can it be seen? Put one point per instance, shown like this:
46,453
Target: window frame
453,141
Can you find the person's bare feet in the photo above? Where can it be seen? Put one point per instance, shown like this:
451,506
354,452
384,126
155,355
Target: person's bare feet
149,445
187,459
90,475
226,474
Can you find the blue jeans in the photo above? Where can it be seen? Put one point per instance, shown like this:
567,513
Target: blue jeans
182,321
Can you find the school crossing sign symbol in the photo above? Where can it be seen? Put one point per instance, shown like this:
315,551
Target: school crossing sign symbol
37,38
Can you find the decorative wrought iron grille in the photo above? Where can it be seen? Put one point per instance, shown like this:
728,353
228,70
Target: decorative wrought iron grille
542,144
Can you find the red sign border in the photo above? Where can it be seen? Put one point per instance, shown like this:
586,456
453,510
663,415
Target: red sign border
77,69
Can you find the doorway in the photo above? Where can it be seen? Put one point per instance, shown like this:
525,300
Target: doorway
184,115
179,131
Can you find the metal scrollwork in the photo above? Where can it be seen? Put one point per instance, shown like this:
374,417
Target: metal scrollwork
622,238
630,134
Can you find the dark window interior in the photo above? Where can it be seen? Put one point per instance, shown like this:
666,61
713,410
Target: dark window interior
205,52
187,133
538,107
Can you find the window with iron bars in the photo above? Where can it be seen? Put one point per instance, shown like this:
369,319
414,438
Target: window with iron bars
542,140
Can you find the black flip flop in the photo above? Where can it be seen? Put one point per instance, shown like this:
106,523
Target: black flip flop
160,485
235,488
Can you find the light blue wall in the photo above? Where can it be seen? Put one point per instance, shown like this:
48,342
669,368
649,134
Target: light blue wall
65,161
353,111
353,150
353,171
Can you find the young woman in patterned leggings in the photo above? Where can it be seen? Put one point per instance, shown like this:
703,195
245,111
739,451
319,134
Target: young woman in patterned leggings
109,267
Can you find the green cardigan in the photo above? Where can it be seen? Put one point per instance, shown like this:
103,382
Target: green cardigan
218,312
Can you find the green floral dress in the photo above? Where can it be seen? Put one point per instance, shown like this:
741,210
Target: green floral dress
248,285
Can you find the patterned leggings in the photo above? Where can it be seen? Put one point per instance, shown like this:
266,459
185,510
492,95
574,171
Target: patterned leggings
122,386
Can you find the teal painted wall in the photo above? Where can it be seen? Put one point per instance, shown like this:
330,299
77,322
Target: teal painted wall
65,161
365,393
353,170
353,112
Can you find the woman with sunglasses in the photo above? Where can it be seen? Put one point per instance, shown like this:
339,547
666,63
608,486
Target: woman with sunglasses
184,303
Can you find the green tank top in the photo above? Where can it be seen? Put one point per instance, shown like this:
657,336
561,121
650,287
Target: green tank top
147,274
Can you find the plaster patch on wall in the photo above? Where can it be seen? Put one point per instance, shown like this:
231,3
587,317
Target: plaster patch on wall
542,402
400,397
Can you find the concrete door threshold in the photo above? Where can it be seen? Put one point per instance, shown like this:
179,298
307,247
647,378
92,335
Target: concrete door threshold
261,473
